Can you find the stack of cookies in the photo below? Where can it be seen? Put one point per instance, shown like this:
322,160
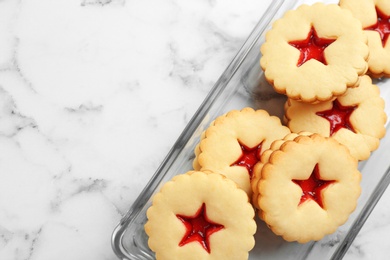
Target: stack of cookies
207,213
301,177
318,56
323,58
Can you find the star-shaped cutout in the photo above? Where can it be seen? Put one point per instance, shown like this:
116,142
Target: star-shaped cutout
338,117
198,228
312,187
312,47
249,157
382,26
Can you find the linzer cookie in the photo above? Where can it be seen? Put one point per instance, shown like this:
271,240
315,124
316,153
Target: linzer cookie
233,143
200,215
356,119
375,18
308,188
314,53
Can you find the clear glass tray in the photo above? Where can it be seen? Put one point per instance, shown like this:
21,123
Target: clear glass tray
243,84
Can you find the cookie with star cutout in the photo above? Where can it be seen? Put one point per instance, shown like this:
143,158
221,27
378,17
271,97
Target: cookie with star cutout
199,215
309,186
314,53
356,119
232,144
374,16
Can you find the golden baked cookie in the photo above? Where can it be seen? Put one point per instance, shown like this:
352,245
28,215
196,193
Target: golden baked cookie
200,215
375,18
233,143
308,188
314,53
356,119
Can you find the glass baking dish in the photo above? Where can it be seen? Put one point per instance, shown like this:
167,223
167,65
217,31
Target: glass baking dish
242,84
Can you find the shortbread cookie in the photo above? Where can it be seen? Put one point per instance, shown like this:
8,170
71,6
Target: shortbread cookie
314,53
232,144
375,18
356,119
308,188
200,215
256,176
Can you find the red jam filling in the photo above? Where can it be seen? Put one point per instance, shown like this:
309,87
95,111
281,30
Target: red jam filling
338,117
249,157
199,228
312,47
312,187
382,26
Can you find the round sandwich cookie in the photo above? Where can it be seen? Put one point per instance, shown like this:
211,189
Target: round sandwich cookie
233,143
356,119
199,215
314,53
308,188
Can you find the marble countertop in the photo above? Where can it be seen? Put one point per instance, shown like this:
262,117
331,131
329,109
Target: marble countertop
93,94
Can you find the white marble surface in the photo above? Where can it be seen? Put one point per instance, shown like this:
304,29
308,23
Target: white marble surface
93,93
